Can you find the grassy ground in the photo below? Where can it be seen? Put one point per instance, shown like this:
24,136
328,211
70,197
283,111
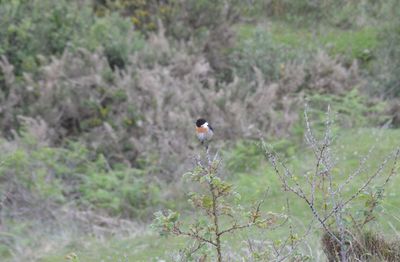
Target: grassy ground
350,146
352,44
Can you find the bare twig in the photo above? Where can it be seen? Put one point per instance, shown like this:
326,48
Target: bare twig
331,193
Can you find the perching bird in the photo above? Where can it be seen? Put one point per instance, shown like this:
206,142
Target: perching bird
204,131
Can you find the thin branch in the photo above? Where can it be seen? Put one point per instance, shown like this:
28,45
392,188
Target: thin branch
363,186
369,180
393,169
177,231
321,155
358,171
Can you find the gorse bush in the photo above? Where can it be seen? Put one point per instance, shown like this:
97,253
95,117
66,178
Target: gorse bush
33,172
115,36
50,193
386,78
142,14
182,19
46,30
30,29
208,24
260,51
354,108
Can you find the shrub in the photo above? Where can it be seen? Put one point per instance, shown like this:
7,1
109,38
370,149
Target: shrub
385,79
354,109
31,29
218,214
262,52
33,172
326,199
394,112
141,13
115,36
182,19
207,24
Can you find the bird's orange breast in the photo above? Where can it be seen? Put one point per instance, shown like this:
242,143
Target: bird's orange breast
201,129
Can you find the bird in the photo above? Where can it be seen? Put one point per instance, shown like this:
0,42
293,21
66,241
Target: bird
204,131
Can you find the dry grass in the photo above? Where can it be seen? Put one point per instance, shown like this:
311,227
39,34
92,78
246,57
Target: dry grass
365,246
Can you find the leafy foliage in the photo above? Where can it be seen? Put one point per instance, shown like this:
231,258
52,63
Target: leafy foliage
262,52
33,172
386,78
33,29
218,202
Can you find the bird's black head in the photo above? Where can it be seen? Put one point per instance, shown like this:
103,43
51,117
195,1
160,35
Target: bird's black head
200,122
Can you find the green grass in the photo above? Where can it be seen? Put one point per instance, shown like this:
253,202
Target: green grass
352,44
148,247
251,183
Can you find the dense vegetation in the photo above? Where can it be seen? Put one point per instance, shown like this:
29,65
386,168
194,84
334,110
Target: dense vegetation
98,100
